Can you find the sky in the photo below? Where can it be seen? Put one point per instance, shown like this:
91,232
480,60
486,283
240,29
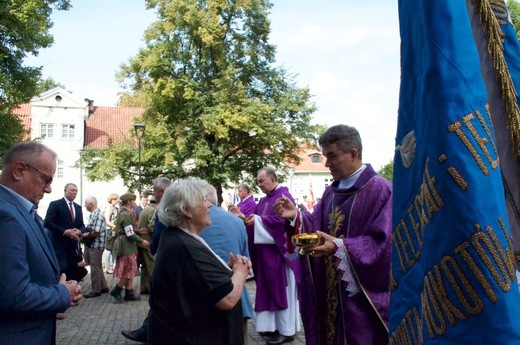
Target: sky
345,51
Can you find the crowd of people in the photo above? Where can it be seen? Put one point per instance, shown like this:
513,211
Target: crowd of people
195,257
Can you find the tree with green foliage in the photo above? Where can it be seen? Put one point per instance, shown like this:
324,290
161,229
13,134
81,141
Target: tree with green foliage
387,171
47,84
24,30
218,106
514,9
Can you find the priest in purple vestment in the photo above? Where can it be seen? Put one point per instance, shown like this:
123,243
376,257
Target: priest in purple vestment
275,267
247,202
345,281
244,209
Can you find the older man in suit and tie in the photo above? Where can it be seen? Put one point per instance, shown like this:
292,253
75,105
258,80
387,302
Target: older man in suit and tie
64,220
31,289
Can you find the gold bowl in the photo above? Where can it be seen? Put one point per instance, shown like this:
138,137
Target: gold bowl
307,240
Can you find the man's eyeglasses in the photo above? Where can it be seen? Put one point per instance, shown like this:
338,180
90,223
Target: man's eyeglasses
45,178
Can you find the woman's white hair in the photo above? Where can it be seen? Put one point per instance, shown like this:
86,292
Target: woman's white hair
179,198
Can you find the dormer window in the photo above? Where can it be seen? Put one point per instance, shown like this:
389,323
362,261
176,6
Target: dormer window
67,131
315,157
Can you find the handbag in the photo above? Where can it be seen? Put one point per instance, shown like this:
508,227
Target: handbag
109,241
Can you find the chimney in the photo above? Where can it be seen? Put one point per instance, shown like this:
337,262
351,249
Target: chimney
90,105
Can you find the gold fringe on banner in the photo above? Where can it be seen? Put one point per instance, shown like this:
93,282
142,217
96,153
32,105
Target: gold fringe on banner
495,46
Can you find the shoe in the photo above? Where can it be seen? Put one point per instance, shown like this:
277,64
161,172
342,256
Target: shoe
105,290
92,295
129,296
268,334
60,316
138,335
279,339
116,293
145,292
110,271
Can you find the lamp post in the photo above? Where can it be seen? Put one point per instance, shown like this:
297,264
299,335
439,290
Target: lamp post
139,128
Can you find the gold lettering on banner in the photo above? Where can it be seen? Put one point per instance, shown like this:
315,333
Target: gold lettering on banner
462,250
455,288
409,331
479,241
509,251
482,142
485,126
432,311
396,237
439,290
456,127
455,275
459,180
407,237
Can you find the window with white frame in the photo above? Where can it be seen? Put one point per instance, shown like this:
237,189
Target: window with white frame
59,169
67,131
46,130
316,158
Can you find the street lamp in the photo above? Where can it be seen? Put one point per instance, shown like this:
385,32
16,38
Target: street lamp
139,128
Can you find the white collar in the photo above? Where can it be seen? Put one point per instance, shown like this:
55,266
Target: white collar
349,181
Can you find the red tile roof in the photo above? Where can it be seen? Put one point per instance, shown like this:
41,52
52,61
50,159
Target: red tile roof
109,123
115,123
307,166
23,112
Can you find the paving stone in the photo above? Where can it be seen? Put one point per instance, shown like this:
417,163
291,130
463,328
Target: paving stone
100,321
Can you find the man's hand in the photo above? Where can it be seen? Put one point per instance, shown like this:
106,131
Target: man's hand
326,249
145,244
74,289
236,211
284,208
73,234
250,220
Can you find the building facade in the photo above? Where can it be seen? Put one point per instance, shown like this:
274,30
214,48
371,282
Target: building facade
68,124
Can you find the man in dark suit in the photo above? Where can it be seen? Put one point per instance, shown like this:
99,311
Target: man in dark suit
64,220
31,289
143,202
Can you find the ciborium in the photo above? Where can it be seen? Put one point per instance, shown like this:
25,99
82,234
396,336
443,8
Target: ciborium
306,241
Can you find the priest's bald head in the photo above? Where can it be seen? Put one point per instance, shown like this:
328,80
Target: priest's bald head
267,180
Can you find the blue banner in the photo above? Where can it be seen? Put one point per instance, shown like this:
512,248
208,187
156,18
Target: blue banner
453,274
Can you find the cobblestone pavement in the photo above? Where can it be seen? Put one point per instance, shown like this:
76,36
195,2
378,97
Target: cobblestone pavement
100,320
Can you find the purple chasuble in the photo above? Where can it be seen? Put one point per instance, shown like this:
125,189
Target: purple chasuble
247,206
269,260
362,217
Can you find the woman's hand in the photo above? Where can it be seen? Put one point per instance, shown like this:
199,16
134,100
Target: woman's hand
239,263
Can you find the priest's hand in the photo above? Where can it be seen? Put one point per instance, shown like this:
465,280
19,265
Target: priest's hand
236,211
250,220
284,208
326,249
